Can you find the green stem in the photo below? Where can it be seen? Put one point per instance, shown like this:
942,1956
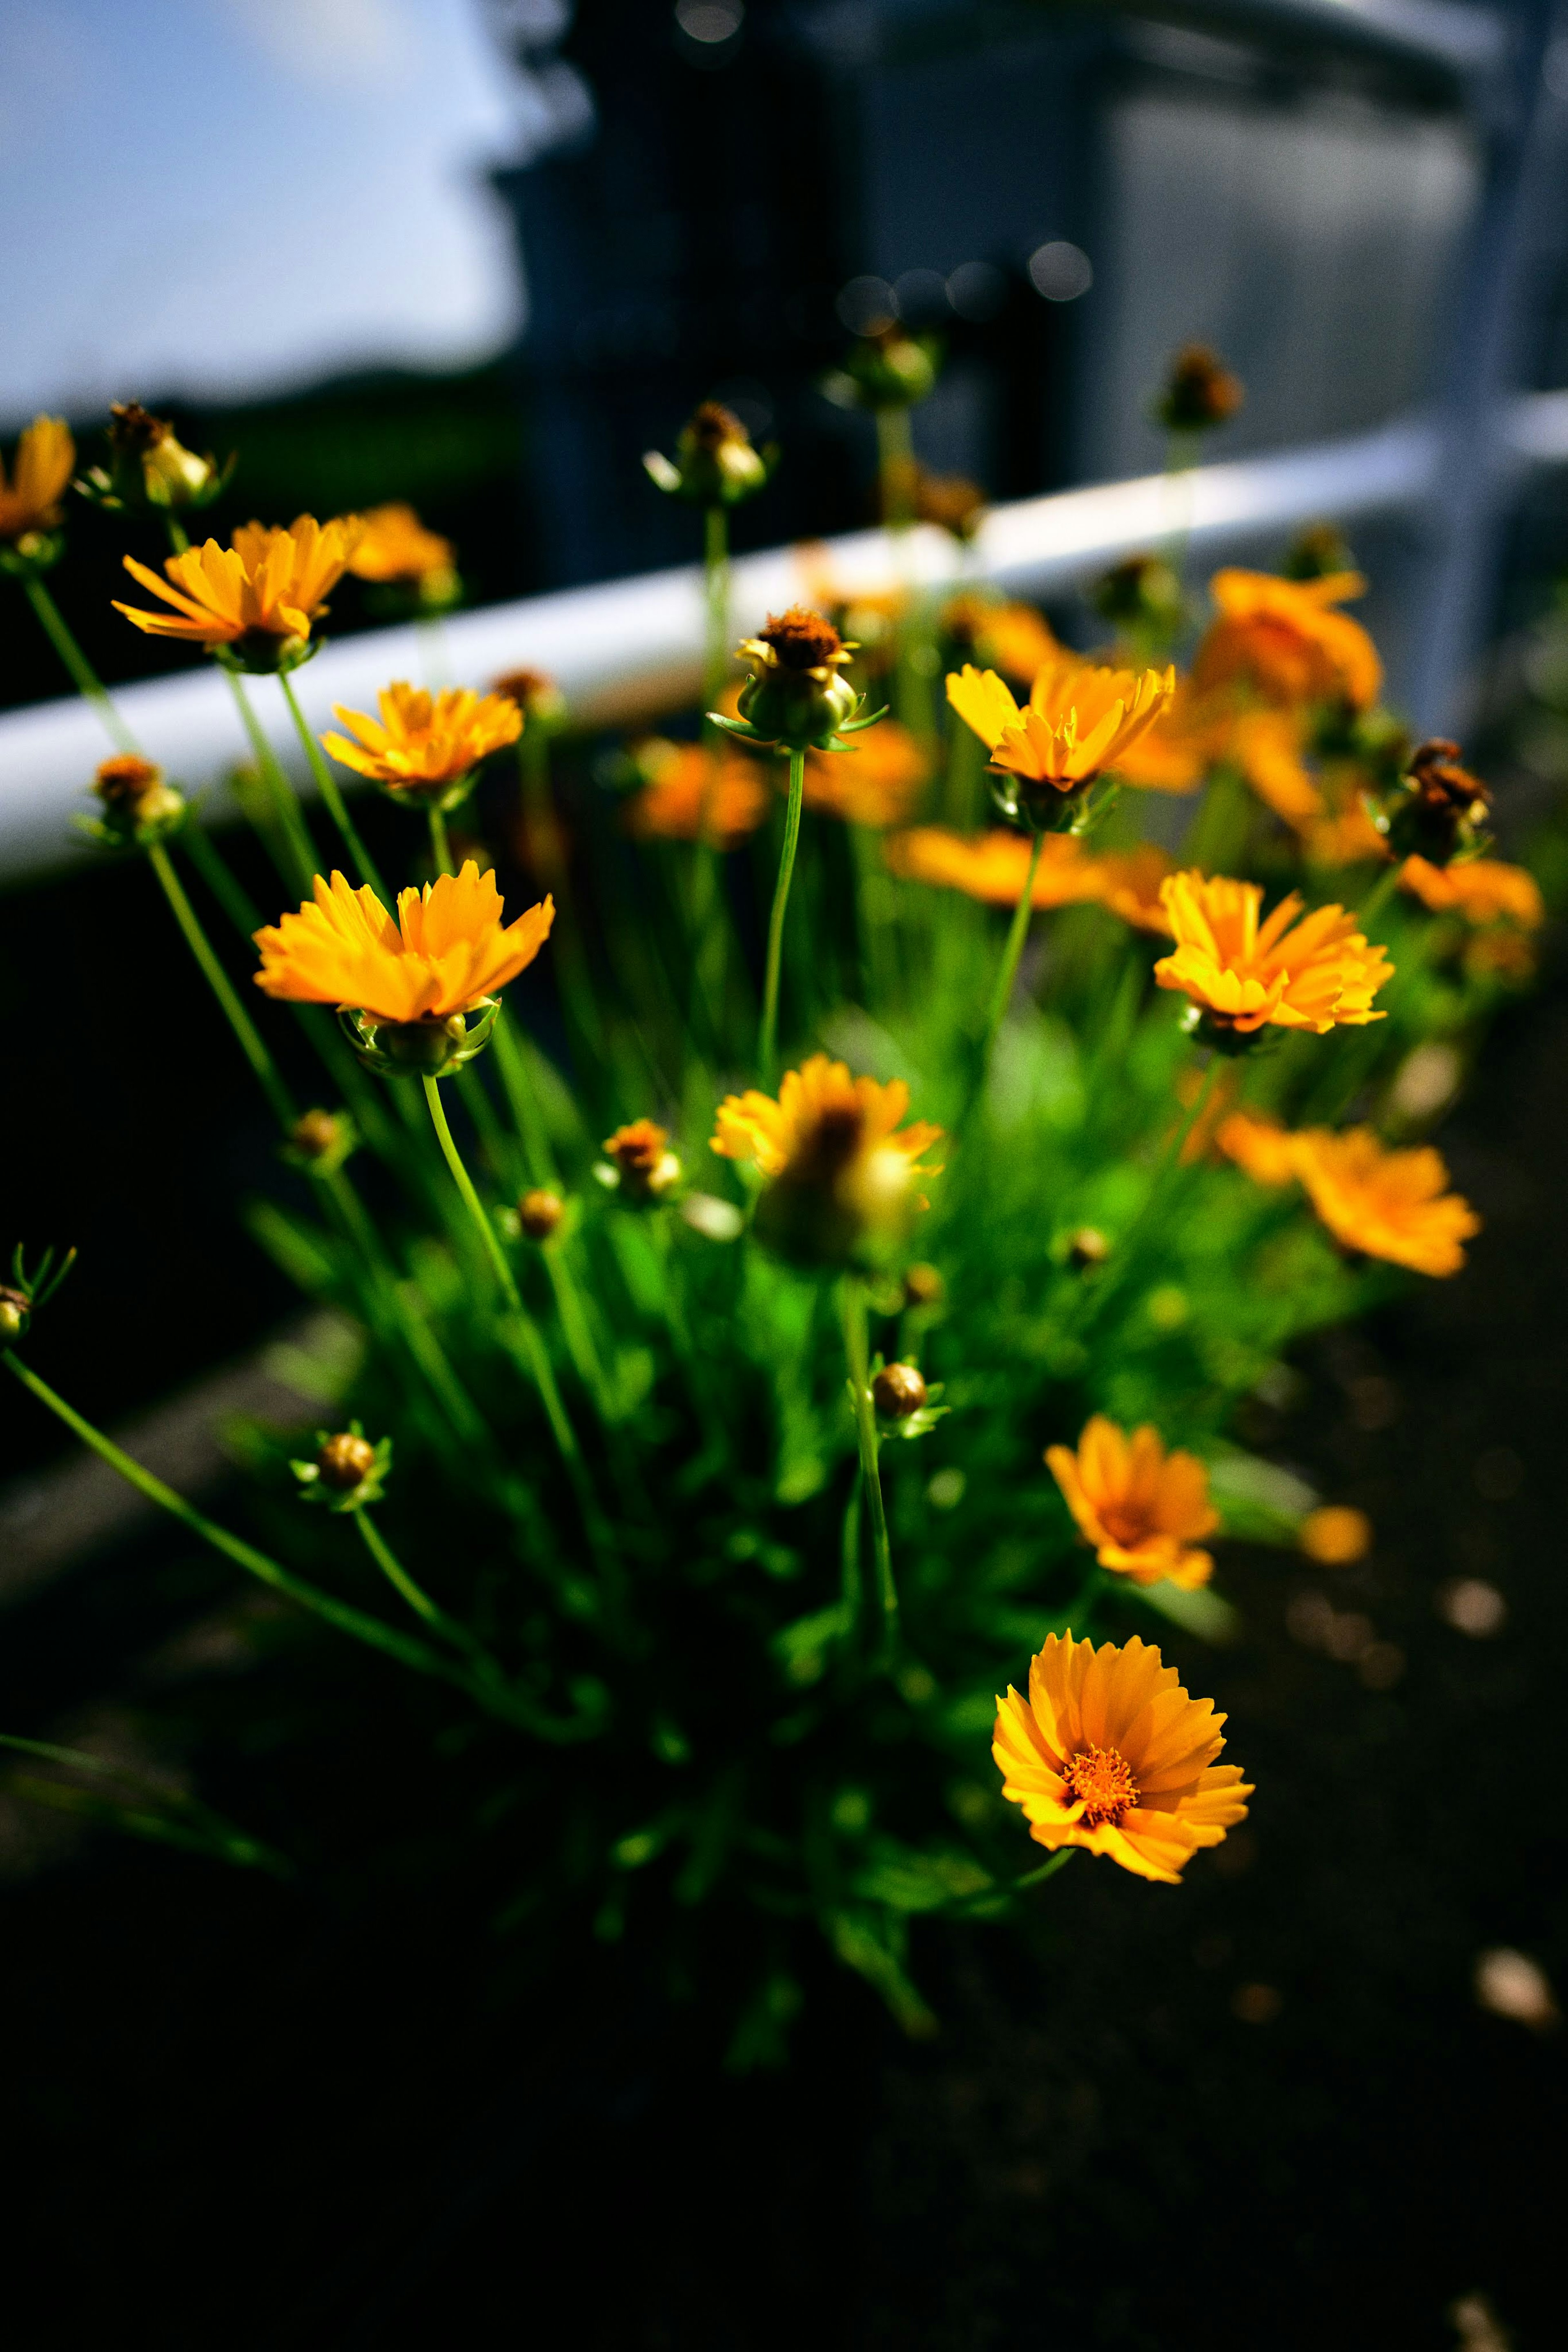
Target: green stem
290,816
1381,892
767,1047
853,1303
84,677
1017,932
715,587
327,785
896,466
471,1201
397,1576
217,979
440,846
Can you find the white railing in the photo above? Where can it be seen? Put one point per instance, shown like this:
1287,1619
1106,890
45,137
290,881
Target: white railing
629,647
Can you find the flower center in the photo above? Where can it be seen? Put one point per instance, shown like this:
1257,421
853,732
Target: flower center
1101,1779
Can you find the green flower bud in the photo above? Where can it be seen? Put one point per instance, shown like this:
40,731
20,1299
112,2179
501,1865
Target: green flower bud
892,369
715,463
797,695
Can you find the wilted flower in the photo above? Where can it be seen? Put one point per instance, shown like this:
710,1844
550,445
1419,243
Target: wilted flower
1012,638
1310,973
256,600
1483,890
40,472
1142,1508
1438,811
689,791
1077,721
150,468
409,983
1200,392
715,463
1385,1204
425,745
641,1152
840,1182
1282,638
797,695
1109,1752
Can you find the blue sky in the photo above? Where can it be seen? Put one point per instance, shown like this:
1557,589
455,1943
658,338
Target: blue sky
218,198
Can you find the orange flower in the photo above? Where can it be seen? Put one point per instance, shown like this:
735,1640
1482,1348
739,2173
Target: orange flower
1142,1508
1347,837
1200,732
1308,974
446,953
424,742
840,1173
1484,890
260,595
1109,1752
876,783
1282,639
1012,638
40,471
397,546
1263,1149
1077,721
682,778
1386,1204
993,867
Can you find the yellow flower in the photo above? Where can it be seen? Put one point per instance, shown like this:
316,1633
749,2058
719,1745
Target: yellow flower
1261,1147
1386,1204
1076,722
1142,1508
684,786
992,867
841,1180
448,951
1109,1752
396,546
260,595
874,783
1305,974
1284,640
40,471
424,743
1484,890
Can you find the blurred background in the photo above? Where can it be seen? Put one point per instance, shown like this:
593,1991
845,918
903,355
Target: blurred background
480,254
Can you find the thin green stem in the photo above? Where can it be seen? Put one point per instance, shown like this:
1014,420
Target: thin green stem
852,1306
217,979
84,677
768,1045
1007,973
397,1576
327,785
715,588
1381,892
290,816
440,846
471,1201
896,467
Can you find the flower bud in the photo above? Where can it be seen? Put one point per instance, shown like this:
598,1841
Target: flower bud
1439,811
715,463
648,1171
139,806
923,1286
536,696
898,1390
346,1461
797,695
891,370
321,1140
539,1214
150,467
15,1308
1200,392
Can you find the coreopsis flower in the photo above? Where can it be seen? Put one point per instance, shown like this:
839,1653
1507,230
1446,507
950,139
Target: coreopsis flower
1077,721
425,747
1200,393
1108,1751
405,986
993,867
395,550
840,1175
1315,972
796,696
875,785
30,500
1436,810
688,791
256,601
138,805
150,470
1385,1204
715,462
1012,638
641,1155
1144,1509
1484,890
1283,639
1261,1147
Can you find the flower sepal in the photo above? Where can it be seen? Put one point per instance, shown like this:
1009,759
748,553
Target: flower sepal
347,1471
1038,808
1223,1036
259,654
420,1049
22,1297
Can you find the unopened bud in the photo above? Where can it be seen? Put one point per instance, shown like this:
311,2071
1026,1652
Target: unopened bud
796,694
1088,1246
715,463
891,370
1200,392
539,1214
346,1461
923,1286
15,1308
898,1390
536,696
135,796
649,1170
151,466
320,1141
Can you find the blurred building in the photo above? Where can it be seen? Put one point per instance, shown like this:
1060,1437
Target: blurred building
1065,194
